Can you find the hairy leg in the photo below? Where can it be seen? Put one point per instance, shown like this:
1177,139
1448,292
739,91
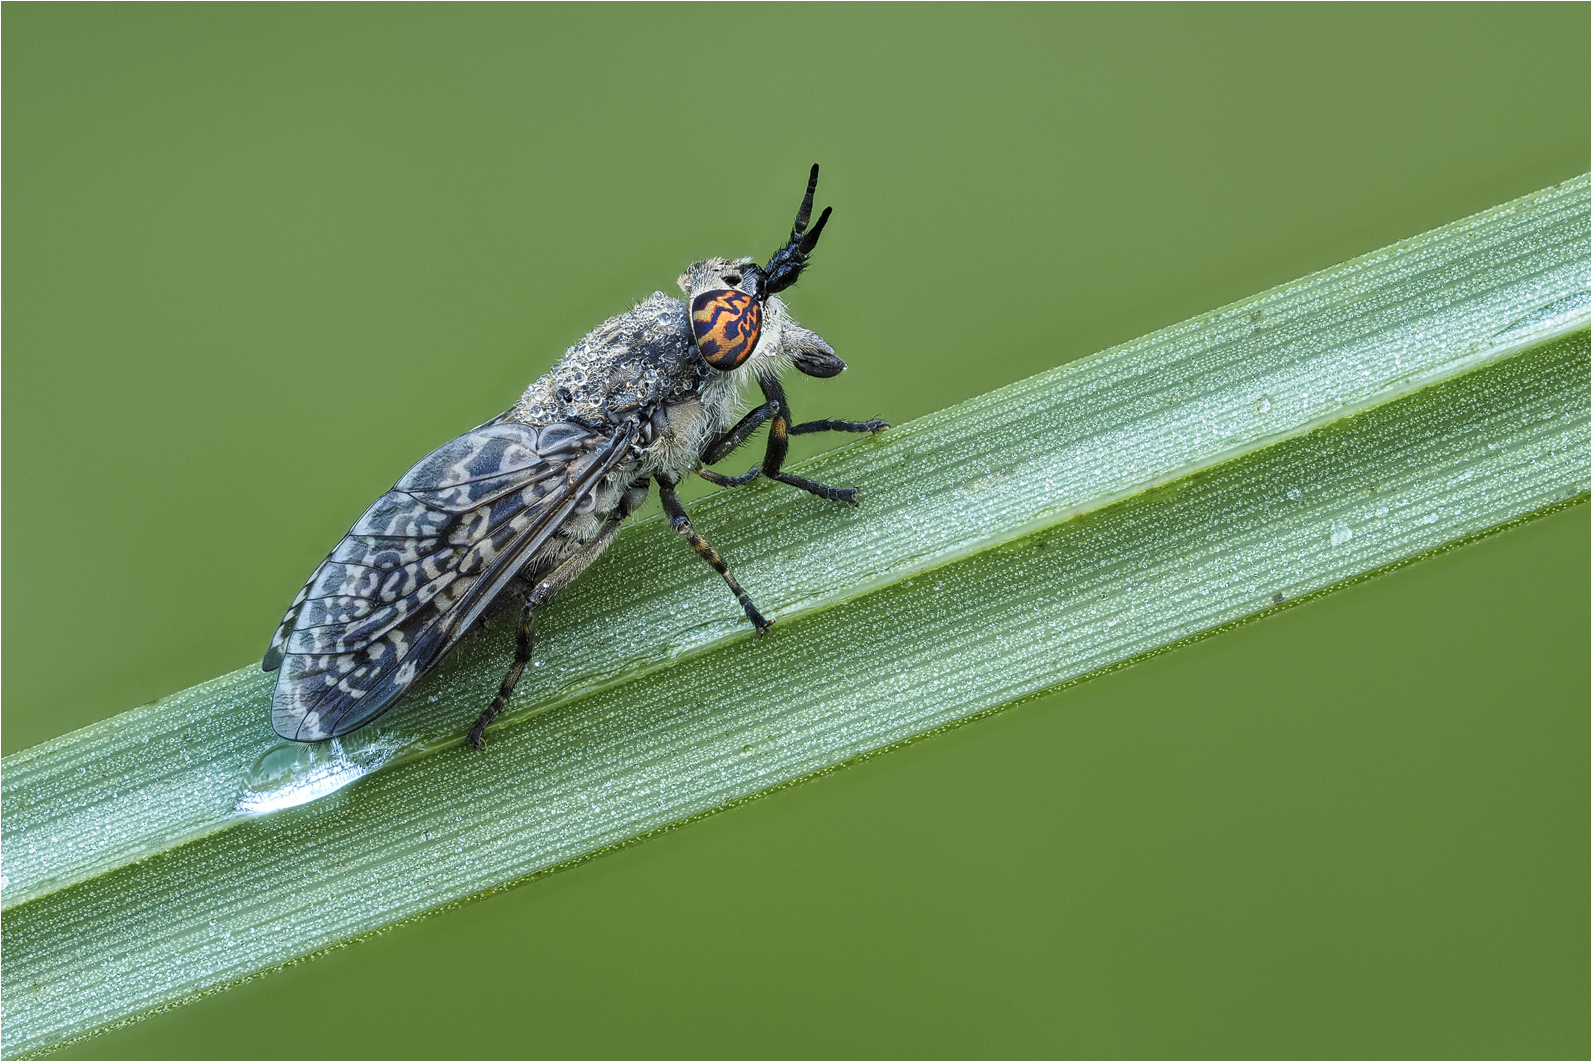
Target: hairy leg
812,426
779,444
777,412
719,448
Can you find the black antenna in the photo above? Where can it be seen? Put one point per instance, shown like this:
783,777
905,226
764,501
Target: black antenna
789,261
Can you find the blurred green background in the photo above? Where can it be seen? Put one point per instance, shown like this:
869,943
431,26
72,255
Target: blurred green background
260,258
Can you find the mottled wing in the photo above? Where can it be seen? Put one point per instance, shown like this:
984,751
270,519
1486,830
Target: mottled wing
426,559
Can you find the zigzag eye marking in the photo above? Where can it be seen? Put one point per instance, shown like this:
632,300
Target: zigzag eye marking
726,325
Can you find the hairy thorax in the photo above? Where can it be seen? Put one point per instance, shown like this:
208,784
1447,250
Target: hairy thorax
640,370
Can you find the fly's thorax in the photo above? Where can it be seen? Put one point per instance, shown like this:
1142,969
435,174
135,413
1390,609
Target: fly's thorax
620,371
673,437
643,368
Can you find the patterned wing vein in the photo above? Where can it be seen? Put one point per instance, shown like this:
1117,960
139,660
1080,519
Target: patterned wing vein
421,565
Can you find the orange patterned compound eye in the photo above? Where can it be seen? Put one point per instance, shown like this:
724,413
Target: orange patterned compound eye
726,325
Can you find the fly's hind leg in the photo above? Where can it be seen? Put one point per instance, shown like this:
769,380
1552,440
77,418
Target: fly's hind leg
682,524
540,594
522,655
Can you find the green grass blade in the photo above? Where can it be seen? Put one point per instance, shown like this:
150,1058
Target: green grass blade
1064,442
1030,537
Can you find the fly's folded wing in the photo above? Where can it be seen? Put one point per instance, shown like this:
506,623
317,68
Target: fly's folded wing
426,559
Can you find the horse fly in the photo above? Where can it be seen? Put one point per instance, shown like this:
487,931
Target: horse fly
533,496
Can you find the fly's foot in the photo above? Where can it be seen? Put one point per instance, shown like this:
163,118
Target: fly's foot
728,481
809,427
844,495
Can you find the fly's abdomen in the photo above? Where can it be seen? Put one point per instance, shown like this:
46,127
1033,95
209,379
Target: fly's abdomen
404,583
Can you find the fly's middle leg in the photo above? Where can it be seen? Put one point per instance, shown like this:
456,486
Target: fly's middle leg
682,524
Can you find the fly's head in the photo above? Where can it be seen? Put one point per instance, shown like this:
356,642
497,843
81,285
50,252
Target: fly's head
729,317
736,320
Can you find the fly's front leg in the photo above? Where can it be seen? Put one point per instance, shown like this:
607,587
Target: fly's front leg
540,594
720,447
682,524
812,426
779,443
730,481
